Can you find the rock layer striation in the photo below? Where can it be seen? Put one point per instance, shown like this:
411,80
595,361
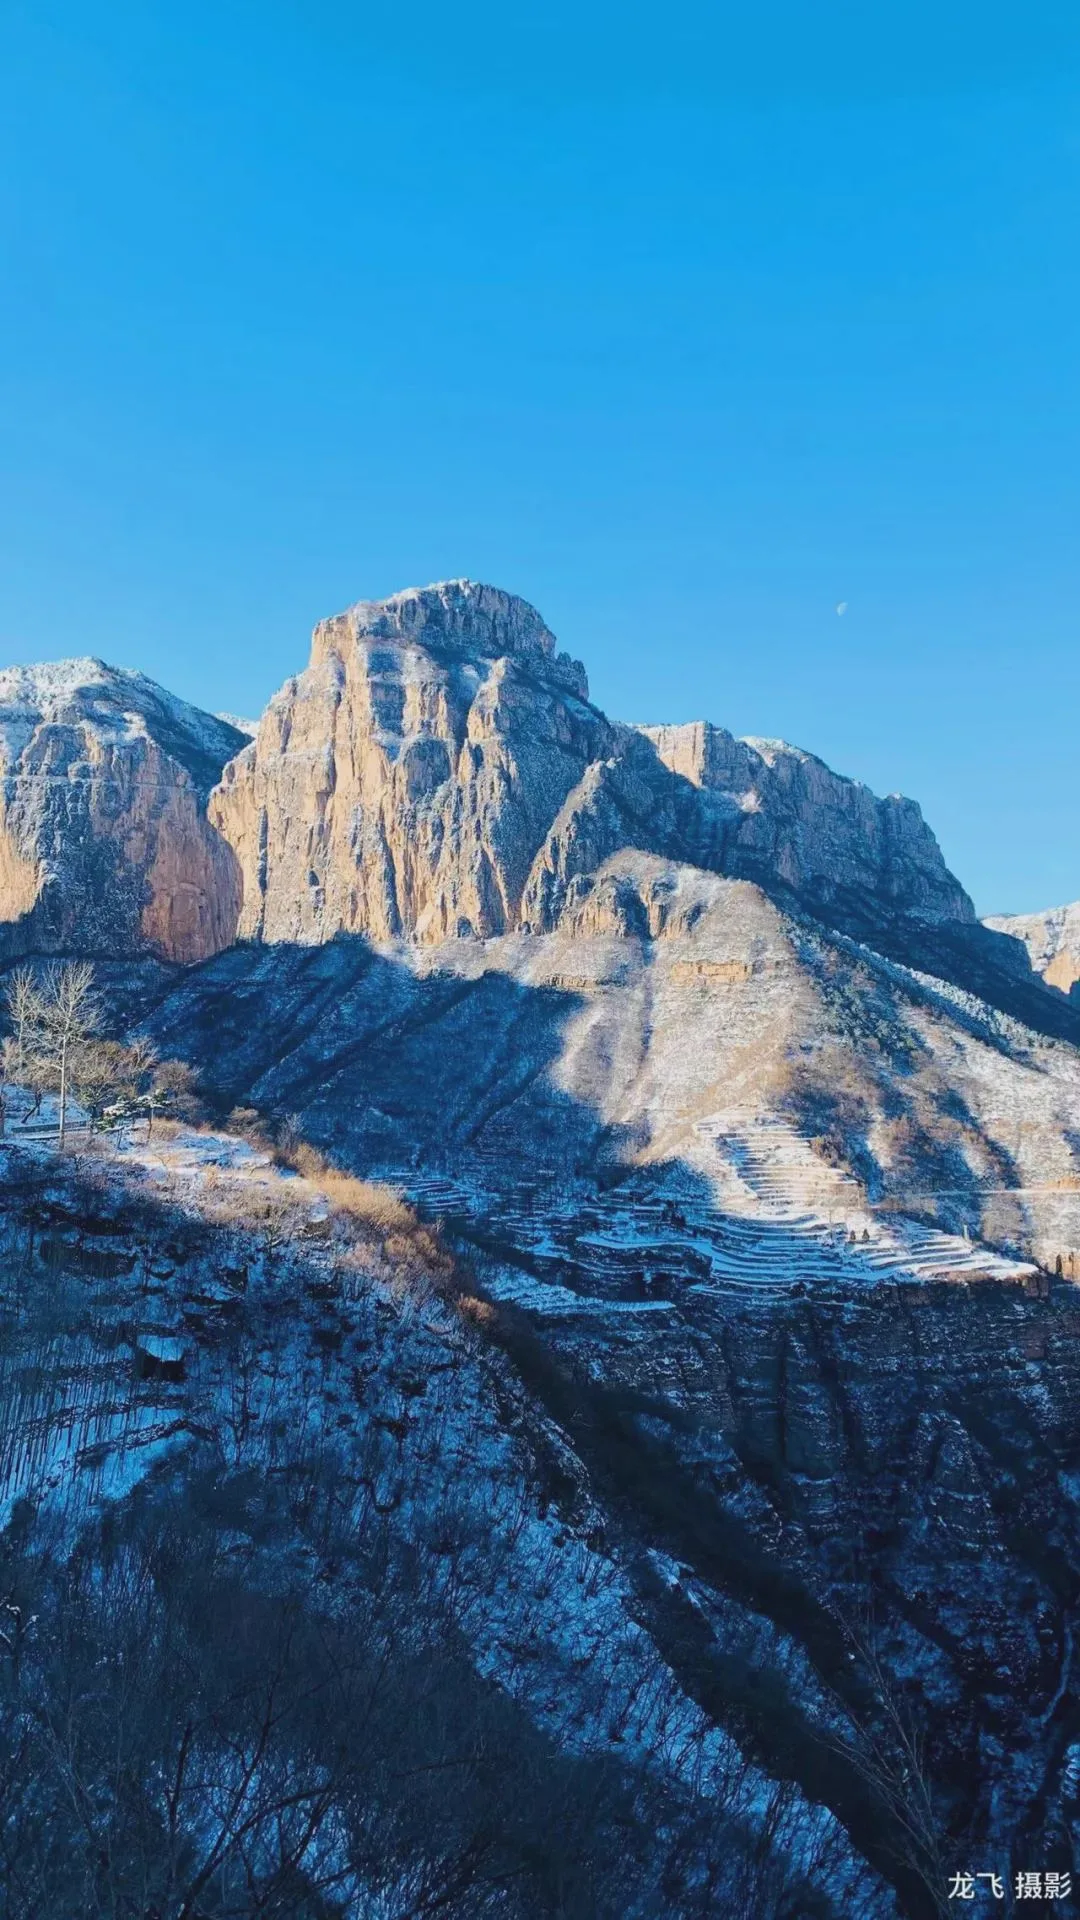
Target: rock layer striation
105,847
1052,940
438,771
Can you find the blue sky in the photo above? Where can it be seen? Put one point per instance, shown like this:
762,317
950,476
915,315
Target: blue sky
687,322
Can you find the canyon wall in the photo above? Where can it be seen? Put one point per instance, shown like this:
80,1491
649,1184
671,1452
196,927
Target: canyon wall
104,843
1052,940
438,771
822,835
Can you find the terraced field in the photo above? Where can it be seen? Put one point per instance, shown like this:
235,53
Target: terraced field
782,1223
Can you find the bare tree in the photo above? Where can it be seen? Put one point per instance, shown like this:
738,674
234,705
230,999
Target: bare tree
25,1010
57,1046
52,1020
888,1749
72,1019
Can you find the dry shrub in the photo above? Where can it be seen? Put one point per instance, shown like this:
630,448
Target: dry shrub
234,1203
416,1242
375,1210
401,1248
177,1083
304,1159
368,1202
479,1313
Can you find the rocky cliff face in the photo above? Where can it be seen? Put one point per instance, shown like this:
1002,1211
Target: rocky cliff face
795,820
438,771
104,842
1052,940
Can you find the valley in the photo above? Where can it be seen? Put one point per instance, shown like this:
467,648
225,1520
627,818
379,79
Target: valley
580,1286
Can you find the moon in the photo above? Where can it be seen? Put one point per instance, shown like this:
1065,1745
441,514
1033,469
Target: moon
841,606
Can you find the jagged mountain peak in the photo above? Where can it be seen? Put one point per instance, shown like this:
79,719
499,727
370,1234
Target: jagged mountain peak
460,618
829,838
116,702
453,779
104,842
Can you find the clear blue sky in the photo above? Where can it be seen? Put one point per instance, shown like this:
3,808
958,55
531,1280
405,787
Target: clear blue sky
686,321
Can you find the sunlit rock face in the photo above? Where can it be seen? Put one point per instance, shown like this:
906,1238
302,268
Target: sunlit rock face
104,843
438,771
796,821
1052,940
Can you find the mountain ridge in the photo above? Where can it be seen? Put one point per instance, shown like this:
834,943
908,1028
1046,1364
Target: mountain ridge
456,780
437,771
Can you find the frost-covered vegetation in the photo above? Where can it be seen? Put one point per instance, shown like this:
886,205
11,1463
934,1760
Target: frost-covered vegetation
300,1615
550,1431
57,1046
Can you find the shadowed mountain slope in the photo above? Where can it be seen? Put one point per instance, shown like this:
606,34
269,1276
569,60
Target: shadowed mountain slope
672,1014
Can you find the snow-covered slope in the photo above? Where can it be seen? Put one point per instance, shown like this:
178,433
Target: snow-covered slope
122,705
662,1034
205,1350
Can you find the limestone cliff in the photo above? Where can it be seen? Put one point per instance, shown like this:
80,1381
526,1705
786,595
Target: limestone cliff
104,842
438,771
822,835
419,778
1052,940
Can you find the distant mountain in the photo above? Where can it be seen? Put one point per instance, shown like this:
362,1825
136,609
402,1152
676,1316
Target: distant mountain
104,842
1052,939
249,728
